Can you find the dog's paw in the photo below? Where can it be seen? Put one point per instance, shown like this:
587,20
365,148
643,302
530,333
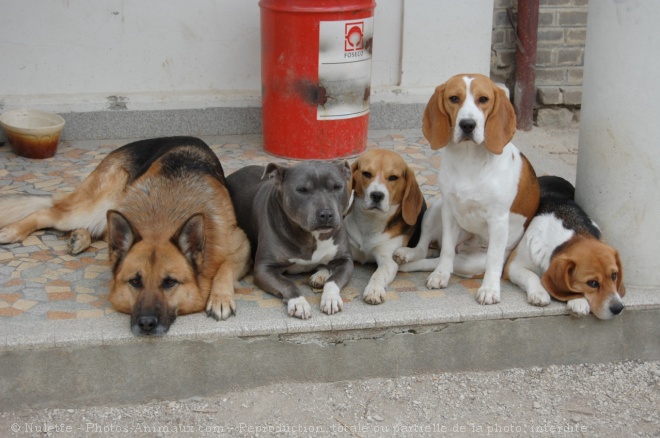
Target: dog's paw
318,279
331,301
538,297
300,308
488,295
578,307
404,255
9,234
373,294
79,241
437,280
220,307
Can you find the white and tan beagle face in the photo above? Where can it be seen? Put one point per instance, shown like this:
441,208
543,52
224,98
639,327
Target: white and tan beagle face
382,181
589,269
469,107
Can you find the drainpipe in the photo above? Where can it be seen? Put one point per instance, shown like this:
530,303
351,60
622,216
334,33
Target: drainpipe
523,91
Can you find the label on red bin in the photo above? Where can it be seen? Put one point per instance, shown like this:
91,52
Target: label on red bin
344,68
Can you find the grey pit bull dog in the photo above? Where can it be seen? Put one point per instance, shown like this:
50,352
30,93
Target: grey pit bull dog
293,217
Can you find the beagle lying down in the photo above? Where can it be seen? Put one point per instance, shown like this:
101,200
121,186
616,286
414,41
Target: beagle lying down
386,213
562,253
489,189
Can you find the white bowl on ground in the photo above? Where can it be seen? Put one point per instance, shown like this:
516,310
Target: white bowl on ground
32,133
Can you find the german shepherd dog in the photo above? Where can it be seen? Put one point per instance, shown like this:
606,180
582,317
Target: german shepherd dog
173,243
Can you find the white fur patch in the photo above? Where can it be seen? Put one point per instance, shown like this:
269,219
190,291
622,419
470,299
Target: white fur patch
325,252
377,186
544,234
331,301
578,307
366,236
300,308
469,110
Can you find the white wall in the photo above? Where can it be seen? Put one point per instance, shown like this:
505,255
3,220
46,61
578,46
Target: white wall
445,37
618,164
75,55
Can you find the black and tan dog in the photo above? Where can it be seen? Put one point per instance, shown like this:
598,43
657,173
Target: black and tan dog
174,244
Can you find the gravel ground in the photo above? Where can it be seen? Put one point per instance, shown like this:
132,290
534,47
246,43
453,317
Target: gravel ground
594,400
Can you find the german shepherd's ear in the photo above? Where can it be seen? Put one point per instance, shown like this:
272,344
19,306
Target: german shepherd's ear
274,172
190,240
121,236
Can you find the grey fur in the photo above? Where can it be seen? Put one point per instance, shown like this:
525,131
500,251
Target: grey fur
279,207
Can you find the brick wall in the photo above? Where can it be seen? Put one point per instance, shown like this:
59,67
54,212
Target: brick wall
559,56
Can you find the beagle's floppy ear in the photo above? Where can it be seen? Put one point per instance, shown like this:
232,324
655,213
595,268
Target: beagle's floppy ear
412,198
436,125
500,124
557,279
619,279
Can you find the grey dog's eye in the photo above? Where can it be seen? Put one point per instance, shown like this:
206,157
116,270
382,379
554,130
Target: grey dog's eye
301,189
338,187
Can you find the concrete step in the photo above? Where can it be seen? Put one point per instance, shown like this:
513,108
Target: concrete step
61,344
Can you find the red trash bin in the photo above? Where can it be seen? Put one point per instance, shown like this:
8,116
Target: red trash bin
316,76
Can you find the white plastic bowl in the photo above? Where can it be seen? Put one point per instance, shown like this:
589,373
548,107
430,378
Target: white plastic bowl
32,133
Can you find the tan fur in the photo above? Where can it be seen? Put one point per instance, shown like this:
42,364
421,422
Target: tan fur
440,114
161,230
106,183
222,261
527,199
509,260
384,165
583,259
436,122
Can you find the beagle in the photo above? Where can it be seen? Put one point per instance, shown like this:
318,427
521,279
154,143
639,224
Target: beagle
489,189
386,214
562,253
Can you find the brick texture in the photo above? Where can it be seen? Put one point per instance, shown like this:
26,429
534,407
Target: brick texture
560,51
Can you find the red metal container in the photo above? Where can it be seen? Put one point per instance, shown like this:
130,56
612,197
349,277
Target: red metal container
316,76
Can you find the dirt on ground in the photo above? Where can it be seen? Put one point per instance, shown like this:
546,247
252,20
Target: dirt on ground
591,400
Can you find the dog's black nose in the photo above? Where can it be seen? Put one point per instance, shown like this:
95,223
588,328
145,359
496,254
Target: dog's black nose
147,323
377,197
467,125
616,308
325,215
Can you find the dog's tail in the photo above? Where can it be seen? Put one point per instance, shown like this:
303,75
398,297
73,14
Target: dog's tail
13,208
